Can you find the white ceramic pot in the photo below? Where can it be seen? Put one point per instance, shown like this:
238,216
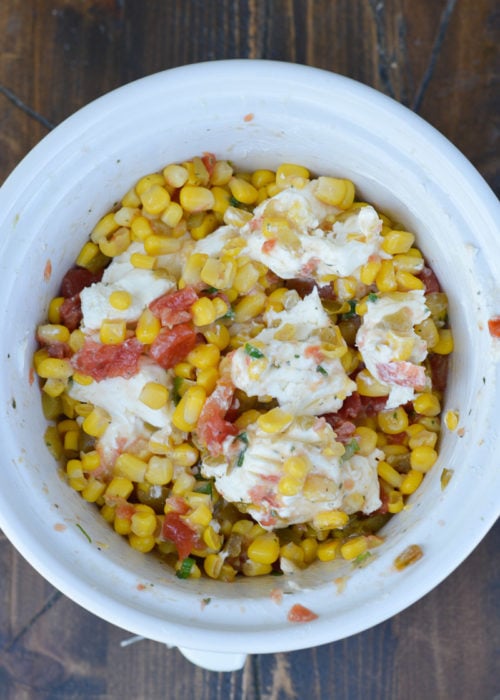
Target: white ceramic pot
255,113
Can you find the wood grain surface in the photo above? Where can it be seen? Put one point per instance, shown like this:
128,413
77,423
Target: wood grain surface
438,57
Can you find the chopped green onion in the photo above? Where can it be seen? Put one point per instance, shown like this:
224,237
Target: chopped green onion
372,296
350,449
204,488
176,397
253,351
185,568
322,370
83,531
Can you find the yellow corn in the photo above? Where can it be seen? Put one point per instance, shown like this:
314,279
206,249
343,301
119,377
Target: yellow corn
366,439
121,525
116,244
71,439
126,215
265,549
87,254
118,487
185,454
422,458
172,215
345,288
334,191
202,516
96,422
327,550
386,277
203,312
204,356
249,307
130,466
185,370
93,490
221,173
205,225
246,278
296,467
113,331
148,181
411,482
175,175
54,368
52,333
396,242
274,421
90,461
51,406
183,484
369,272
194,198
157,244
142,261
189,408
120,300
395,503
389,474
218,274
288,173
148,327
213,565
143,524
393,421
207,378
407,281
367,385
154,395
54,315
141,228
77,340
330,519
141,543
212,539
262,178
103,228
451,420
53,441
290,485
422,437
242,190
310,548
160,471
445,343
354,547
427,404
407,262
131,198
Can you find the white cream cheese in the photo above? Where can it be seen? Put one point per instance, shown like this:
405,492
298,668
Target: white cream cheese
295,367
143,286
389,346
249,472
119,397
315,252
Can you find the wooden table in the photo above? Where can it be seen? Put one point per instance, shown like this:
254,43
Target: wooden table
438,57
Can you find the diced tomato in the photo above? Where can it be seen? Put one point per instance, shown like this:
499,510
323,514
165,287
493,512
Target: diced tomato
171,345
173,308
177,504
344,429
438,365
105,361
299,613
351,407
269,245
401,374
397,439
309,267
315,352
180,533
125,510
59,350
209,160
70,312
212,428
430,280
77,279
494,326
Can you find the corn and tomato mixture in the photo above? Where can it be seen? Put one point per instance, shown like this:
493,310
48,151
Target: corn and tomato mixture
244,370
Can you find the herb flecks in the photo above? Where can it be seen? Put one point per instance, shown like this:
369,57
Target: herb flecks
321,370
185,568
253,351
350,450
242,437
372,297
84,532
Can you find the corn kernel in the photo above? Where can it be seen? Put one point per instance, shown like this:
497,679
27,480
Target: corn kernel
126,215
185,454
130,466
52,333
274,421
172,215
297,467
427,404
207,378
265,549
212,539
411,481
330,519
367,385
395,502
246,278
288,173
203,312
143,524
93,490
334,191
218,274
407,281
54,314
71,440
366,439
290,485
54,368
154,395
142,543
389,474
157,244
249,307
182,485
393,421
113,331
204,356
327,550
141,228
293,552
189,408
422,458
354,547
213,565
103,228
90,461
131,198
369,272
451,420
76,340
445,343
148,181
87,254
148,327
119,487
160,471
262,178
175,175
120,300
142,261
193,198
242,190
116,244
396,242
386,277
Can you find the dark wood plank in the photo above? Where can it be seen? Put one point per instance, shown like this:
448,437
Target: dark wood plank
438,57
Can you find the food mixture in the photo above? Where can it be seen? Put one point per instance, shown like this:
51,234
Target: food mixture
244,370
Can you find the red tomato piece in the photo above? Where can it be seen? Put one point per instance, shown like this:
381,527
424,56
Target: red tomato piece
430,280
105,361
177,504
299,613
209,160
494,326
212,428
344,429
59,350
401,374
180,533
171,345
173,308
70,312
269,245
77,279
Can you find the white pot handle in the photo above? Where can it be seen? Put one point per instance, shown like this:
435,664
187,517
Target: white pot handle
215,660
